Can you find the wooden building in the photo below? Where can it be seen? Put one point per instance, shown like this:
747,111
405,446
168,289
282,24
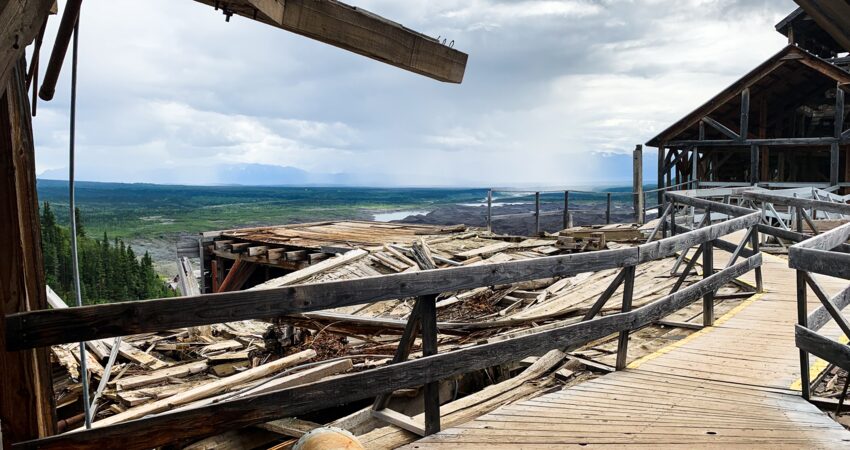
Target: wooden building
784,124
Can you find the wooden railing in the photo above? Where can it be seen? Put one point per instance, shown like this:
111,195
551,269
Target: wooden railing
824,254
48,327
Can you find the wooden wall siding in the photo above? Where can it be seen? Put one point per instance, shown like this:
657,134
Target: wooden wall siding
26,391
358,31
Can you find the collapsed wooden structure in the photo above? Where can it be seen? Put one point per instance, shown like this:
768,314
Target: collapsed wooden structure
784,124
26,403
26,407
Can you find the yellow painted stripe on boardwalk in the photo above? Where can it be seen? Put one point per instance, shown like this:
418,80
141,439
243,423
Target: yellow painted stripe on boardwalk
732,312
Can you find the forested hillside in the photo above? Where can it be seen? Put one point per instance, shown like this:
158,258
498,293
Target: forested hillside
109,271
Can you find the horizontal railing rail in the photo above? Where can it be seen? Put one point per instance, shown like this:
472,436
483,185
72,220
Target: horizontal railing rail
48,327
248,411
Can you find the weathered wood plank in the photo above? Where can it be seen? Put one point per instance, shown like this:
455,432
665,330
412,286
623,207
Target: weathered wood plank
682,242
819,261
359,31
821,316
822,347
159,430
47,327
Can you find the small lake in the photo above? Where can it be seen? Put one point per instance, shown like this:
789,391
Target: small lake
396,215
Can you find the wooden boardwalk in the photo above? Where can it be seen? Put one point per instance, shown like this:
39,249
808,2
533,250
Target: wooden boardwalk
734,385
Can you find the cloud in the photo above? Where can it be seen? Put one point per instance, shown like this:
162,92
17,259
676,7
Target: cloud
176,93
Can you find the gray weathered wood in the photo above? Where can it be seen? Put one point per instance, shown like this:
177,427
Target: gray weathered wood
682,242
606,295
822,347
820,205
722,208
819,261
833,309
829,240
723,129
707,270
821,316
47,327
623,339
198,422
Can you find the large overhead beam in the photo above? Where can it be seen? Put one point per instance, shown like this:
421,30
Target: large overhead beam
833,16
355,30
20,21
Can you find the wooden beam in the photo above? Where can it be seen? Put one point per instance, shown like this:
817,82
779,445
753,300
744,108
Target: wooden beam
26,392
822,347
745,115
356,30
197,422
719,127
47,327
20,22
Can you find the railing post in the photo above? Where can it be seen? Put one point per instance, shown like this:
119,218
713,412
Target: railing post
707,271
490,210
429,348
754,239
637,183
673,218
567,210
537,213
608,211
803,320
623,341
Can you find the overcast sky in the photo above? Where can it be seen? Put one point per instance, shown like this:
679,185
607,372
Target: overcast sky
170,93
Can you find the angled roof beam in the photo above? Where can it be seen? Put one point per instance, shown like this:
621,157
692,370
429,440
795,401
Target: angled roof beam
721,128
355,30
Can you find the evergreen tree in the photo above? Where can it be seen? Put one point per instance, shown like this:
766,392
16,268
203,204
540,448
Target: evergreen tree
108,272
78,218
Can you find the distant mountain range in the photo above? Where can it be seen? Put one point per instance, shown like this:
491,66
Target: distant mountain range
617,171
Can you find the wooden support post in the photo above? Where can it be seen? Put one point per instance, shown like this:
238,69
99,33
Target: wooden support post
567,221
695,168
661,176
834,164
537,214
628,294
202,256
839,111
803,317
754,240
429,348
405,345
26,386
802,320
707,271
745,115
490,210
608,210
673,218
754,164
637,184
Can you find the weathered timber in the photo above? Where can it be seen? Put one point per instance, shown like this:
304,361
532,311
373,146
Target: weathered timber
827,241
70,16
628,295
20,22
820,205
822,347
721,128
682,242
362,32
48,327
821,316
819,261
718,207
830,307
26,394
165,428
